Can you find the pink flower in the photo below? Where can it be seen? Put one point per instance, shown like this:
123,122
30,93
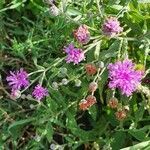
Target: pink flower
18,79
111,27
123,75
39,92
82,34
74,55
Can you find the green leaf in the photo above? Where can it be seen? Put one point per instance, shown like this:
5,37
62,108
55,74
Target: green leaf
73,12
139,113
49,129
101,84
140,146
139,135
119,140
15,128
97,50
111,52
93,112
20,123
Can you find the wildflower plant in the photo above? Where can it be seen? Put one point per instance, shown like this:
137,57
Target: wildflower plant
74,75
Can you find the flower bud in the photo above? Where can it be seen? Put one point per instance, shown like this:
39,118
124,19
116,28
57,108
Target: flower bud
15,94
126,108
55,85
82,34
100,64
37,138
83,105
120,115
139,67
54,10
91,100
63,70
90,69
64,81
93,86
31,106
23,96
78,83
53,146
29,97
113,103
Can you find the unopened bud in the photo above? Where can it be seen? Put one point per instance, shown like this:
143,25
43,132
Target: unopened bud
63,70
31,106
83,105
29,97
100,64
78,83
15,94
55,85
23,96
64,81
90,69
126,108
91,100
93,86
113,103
121,115
54,10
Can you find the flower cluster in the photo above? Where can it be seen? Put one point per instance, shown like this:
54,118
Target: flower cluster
82,34
111,27
121,111
18,80
123,75
74,55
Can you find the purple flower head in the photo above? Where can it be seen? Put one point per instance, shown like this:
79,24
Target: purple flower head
39,92
111,27
82,34
123,75
18,79
74,55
